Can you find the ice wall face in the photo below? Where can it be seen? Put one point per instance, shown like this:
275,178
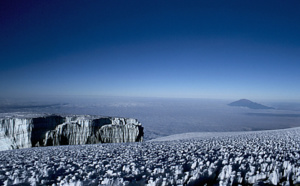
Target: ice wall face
76,131
15,133
55,130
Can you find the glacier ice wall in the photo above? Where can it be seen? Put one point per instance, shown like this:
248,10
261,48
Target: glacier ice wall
51,130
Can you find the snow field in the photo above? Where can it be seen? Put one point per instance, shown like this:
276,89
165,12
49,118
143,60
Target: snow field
268,158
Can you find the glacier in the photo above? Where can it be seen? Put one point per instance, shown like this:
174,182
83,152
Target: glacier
17,131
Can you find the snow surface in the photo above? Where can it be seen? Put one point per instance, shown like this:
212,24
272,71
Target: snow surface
202,135
264,157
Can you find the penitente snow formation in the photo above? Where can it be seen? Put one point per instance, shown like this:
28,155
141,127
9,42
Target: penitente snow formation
17,131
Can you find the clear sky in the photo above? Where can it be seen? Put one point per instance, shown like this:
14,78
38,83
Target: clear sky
200,49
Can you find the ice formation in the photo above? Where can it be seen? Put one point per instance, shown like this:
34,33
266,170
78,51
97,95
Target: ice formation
50,130
248,158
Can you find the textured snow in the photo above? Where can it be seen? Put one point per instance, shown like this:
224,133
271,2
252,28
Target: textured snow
259,158
203,135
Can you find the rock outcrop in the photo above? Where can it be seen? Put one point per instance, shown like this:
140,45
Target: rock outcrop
50,130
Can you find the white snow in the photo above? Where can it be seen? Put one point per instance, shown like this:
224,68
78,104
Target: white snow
264,157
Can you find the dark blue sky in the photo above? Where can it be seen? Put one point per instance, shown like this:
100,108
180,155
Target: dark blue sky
205,49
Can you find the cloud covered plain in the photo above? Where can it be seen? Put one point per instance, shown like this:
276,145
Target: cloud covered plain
167,116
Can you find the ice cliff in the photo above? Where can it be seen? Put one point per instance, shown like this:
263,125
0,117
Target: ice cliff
50,130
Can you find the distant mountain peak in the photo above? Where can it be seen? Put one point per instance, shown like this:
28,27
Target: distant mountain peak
249,104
